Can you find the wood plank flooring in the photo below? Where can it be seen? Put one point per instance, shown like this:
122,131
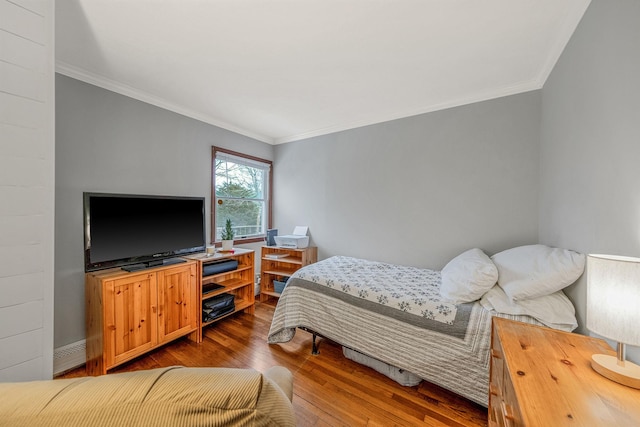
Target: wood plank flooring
329,390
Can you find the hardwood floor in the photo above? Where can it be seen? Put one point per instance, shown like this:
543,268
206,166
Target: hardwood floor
329,390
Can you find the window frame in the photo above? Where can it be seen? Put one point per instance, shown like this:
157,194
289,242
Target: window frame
214,201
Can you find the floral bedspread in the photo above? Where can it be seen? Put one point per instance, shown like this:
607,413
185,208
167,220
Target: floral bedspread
409,289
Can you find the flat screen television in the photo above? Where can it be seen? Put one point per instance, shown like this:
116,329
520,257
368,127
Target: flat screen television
141,231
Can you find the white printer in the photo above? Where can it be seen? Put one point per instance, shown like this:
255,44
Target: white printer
297,240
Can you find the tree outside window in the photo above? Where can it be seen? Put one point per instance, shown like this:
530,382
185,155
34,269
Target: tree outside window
241,193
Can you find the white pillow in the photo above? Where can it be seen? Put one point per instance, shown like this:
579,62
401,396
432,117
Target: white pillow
536,270
554,311
467,277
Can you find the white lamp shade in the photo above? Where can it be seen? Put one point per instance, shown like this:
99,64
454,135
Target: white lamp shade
613,297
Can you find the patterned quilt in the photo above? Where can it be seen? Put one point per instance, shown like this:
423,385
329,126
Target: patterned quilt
394,314
408,289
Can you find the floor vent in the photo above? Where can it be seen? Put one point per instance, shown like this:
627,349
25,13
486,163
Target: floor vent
69,356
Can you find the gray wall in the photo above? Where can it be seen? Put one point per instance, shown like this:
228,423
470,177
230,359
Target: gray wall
380,192
590,140
420,190
107,142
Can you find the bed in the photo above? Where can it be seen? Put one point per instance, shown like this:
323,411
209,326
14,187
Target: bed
397,315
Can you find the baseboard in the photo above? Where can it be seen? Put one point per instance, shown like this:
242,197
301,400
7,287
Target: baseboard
69,356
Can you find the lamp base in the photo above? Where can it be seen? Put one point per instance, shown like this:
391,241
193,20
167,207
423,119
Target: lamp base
626,372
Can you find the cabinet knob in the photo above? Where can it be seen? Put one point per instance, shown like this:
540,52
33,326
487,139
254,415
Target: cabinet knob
496,354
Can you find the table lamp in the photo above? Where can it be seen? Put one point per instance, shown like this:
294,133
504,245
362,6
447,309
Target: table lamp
613,311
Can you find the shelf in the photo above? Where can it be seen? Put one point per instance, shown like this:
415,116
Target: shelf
240,282
214,278
276,268
288,260
241,267
271,293
240,305
232,284
280,272
229,285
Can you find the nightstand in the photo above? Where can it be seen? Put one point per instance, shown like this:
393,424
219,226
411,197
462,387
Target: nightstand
543,377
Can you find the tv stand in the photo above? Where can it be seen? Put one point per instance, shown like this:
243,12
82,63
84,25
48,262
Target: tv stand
152,264
129,314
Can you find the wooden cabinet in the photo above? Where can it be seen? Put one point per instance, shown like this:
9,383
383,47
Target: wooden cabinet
128,314
239,282
129,309
543,377
279,263
177,302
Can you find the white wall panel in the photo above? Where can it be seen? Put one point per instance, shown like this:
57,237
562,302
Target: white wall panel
22,230
17,260
19,111
36,6
21,289
22,52
20,319
22,171
21,142
22,200
18,348
23,22
27,185
29,370
22,82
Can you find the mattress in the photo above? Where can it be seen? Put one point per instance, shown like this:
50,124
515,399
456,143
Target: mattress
393,314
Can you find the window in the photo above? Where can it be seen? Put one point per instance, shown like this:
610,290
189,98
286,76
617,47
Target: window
242,193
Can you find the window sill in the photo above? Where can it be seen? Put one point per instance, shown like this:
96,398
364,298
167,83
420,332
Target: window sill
243,241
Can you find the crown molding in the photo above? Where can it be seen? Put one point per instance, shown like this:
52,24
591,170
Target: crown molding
528,86
533,84
105,83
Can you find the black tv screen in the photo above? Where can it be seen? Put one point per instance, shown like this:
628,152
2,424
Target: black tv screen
122,229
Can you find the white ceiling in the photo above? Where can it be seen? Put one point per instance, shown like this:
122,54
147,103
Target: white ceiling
283,70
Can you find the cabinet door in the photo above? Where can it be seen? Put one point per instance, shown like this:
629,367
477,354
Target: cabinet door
130,317
177,298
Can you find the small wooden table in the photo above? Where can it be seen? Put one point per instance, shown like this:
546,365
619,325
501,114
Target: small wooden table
543,377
